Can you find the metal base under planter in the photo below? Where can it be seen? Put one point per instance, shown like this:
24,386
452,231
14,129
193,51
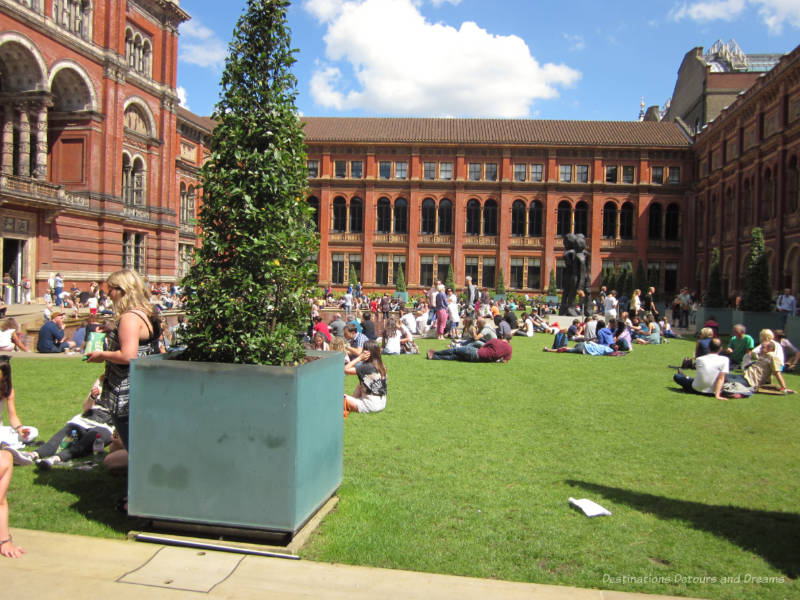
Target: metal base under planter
235,446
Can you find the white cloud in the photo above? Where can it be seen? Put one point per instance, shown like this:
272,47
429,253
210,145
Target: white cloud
774,13
182,97
576,41
438,3
403,64
200,46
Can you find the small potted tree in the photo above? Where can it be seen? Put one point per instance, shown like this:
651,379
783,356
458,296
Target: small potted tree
552,290
243,429
714,300
756,313
400,285
500,288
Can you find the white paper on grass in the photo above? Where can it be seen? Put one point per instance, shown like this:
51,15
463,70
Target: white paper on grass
589,508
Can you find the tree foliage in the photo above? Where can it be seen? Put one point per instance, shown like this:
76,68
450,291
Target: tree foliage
353,276
400,279
500,288
552,289
256,268
450,281
640,281
757,295
714,297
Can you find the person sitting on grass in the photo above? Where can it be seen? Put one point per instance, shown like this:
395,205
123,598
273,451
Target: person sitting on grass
765,335
318,342
51,336
10,340
503,329
394,336
15,434
653,332
7,546
605,337
765,364
790,352
495,350
666,328
525,326
739,345
590,348
94,420
701,348
469,333
575,331
370,393
622,337
355,340
590,329
712,370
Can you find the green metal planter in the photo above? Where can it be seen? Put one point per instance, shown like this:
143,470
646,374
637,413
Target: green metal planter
245,446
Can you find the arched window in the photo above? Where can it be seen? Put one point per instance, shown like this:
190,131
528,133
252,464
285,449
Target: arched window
564,218
767,196
146,57
183,203
654,229
582,218
187,204
727,210
384,221
672,222
428,217
400,216
490,218
535,219
129,49
314,204
626,222
747,202
356,215
792,186
609,221
445,217
473,217
127,180
74,16
518,218
339,215
133,181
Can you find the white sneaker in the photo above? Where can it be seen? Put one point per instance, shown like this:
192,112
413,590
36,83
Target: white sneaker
22,459
47,463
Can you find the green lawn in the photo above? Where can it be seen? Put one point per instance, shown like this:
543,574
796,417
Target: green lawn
469,469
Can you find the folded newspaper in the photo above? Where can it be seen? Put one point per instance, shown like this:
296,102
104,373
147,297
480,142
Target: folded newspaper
589,508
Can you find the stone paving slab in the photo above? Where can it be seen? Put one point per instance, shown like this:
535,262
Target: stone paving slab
57,564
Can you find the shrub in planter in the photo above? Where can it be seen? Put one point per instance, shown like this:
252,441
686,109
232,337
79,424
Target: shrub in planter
714,297
757,294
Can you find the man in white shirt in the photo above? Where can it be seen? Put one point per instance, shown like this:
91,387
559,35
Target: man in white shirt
610,305
711,371
409,321
786,304
590,331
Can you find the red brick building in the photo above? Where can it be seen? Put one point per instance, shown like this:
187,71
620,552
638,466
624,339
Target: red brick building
98,165
748,175
484,195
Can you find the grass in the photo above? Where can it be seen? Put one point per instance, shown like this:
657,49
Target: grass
469,469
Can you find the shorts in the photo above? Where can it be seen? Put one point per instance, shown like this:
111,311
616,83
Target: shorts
370,404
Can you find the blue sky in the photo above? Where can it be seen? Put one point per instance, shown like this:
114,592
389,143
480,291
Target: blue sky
583,59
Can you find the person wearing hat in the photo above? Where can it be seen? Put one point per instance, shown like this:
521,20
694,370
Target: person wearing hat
51,336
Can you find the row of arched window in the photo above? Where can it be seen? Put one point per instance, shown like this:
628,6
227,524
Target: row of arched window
74,16
392,217
187,204
133,181
138,52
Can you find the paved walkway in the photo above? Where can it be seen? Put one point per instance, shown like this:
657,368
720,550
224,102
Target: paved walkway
59,564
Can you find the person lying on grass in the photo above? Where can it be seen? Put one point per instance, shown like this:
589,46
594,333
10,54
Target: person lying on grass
495,350
370,393
590,348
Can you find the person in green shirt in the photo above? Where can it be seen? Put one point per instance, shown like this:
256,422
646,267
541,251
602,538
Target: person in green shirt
740,344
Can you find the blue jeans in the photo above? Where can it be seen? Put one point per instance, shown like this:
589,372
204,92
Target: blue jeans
58,295
465,353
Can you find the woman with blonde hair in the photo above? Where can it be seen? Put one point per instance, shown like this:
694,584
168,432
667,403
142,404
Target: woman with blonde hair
765,336
135,335
10,339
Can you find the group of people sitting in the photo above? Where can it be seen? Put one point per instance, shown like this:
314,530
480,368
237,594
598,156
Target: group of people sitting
714,364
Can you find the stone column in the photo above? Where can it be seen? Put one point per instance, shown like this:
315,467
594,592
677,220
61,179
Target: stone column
8,141
619,219
24,164
40,171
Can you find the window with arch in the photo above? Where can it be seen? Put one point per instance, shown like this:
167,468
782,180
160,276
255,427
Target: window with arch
672,222
747,203
564,218
626,221
135,120
401,216
187,204
581,218
518,218
765,208
138,52
313,202
74,15
535,227
654,227
339,224
428,220
445,217
490,218
473,217
792,186
384,220
356,215
609,221
133,181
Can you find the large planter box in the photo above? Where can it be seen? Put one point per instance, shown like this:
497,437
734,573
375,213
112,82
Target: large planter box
245,446
403,296
756,321
723,316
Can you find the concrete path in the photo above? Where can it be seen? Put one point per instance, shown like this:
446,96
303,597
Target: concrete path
59,564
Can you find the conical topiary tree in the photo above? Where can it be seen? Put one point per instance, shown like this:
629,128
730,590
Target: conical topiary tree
400,279
714,297
500,288
552,289
247,291
619,284
450,281
353,277
640,281
628,287
757,294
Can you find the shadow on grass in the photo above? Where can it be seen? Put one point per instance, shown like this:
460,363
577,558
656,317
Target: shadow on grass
97,494
775,536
